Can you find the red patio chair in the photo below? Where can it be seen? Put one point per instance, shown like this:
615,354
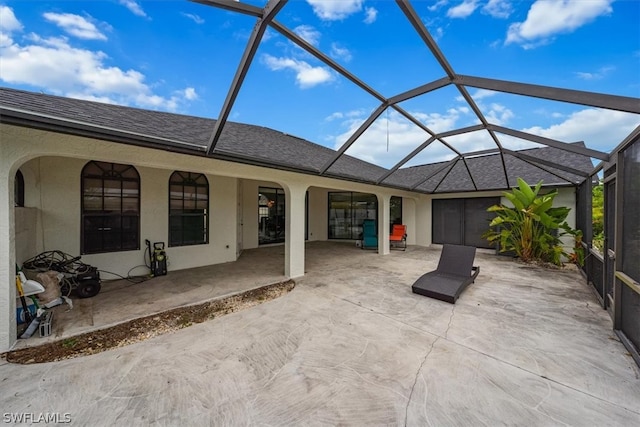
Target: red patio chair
398,237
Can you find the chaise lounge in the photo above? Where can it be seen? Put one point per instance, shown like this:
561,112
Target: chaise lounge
454,273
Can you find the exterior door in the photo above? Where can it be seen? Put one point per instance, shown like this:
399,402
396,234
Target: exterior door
271,215
448,217
462,221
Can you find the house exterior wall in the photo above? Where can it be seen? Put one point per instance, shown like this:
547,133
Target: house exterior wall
59,204
567,197
26,237
409,219
318,213
32,197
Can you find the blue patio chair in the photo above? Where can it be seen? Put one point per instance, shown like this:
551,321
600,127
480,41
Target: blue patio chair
369,234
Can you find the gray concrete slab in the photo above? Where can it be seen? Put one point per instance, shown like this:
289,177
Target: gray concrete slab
123,300
351,345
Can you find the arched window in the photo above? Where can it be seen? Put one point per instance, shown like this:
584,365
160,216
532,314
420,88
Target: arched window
188,209
18,188
110,208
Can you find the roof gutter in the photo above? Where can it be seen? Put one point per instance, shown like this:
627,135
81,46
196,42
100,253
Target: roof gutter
77,128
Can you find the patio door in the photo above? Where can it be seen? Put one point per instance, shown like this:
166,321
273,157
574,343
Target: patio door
609,242
271,215
462,221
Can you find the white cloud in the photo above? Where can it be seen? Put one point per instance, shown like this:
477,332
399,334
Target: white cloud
495,113
75,25
340,52
353,114
600,74
334,116
437,33
8,21
371,14
478,95
438,5
308,33
334,10
195,18
56,66
134,7
547,18
403,136
498,8
498,114
190,94
306,75
463,10
599,129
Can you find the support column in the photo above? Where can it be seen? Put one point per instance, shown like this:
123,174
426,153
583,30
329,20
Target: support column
8,324
294,230
384,216
423,221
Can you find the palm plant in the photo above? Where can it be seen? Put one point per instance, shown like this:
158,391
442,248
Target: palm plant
532,228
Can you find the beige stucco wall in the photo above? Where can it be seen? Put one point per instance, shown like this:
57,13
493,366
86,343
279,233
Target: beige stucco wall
567,197
26,233
318,213
409,219
59,204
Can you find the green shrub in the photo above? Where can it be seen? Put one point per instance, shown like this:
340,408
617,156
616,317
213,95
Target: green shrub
532,228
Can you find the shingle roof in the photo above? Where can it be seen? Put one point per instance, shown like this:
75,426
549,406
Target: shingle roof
488,173
259,145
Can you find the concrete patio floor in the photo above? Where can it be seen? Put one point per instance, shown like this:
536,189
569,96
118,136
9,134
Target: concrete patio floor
352,345
122,300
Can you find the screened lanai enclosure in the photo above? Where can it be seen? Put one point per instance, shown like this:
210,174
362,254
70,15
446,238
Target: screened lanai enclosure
439,135
482,156
613,270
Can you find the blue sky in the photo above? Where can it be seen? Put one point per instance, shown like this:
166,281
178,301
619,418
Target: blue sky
180,56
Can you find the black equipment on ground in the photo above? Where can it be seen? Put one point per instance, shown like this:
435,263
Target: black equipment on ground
82,278
158,258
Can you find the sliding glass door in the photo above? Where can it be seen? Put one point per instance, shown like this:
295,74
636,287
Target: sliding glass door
271,215
347,210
